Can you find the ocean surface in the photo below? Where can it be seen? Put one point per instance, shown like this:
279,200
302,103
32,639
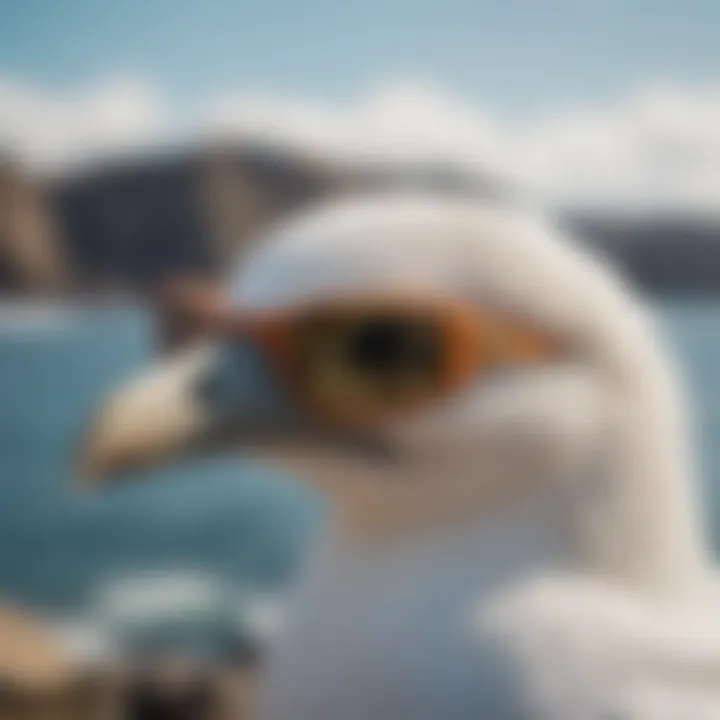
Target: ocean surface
223,518
226,517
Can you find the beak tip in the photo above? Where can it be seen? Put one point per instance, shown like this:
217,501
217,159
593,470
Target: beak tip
146,422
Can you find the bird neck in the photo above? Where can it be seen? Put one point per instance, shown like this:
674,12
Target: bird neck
636,518
635,521
512,542
639,522
405,601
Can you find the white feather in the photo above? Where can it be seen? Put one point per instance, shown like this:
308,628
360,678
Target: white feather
541,558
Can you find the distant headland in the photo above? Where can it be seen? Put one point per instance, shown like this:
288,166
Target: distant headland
121,228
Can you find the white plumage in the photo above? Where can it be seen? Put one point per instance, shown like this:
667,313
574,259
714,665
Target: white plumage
581,599
537,555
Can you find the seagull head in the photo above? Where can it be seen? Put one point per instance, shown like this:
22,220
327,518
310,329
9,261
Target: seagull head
429,363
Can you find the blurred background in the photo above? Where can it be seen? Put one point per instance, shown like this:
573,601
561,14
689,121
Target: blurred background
155,139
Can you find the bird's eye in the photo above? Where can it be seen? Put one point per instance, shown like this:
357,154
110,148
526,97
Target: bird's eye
370,363
388,346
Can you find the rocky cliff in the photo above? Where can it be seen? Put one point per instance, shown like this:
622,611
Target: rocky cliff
32,258
128,226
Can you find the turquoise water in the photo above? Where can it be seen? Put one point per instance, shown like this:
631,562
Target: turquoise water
226,515
223,516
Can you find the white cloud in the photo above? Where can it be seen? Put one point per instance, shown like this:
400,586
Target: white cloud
396,122
49,131
658,149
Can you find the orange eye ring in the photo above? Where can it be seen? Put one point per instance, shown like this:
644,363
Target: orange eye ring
460,342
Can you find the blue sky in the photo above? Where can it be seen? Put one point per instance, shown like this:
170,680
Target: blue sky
514,55
605,102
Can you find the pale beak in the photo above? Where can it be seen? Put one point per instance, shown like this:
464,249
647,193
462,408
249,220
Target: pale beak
182,406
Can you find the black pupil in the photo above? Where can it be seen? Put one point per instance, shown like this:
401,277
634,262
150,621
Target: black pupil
389,345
